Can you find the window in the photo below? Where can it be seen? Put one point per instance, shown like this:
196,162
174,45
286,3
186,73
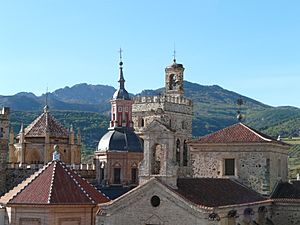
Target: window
1,132
134,175
279,167
142,122
229,167
185,153
156,157
117,175
120,109
178,151
101,174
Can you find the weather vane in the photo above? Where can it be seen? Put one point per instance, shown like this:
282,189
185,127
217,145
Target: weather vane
239,102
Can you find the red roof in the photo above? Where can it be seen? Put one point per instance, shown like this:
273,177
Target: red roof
57,184
237,133
46,122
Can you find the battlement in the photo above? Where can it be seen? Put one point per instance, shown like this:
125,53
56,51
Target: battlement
38,166
163,98
4,113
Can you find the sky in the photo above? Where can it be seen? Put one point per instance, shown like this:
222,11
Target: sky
251,47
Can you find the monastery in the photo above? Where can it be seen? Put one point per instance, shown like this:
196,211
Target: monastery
148,169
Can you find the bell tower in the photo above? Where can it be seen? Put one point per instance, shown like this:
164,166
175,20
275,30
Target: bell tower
174,79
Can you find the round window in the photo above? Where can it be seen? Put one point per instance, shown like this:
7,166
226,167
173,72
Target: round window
155,201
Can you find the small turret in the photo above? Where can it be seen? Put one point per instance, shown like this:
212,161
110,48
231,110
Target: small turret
71,136
78,137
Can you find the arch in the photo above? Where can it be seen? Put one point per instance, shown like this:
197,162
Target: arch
185,153
156,159
178,151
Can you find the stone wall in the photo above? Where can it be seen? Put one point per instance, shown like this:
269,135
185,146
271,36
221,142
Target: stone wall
286,213
4,137
17,173
259,166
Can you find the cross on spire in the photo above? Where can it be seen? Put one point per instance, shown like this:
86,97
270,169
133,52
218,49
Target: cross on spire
174,54
120,52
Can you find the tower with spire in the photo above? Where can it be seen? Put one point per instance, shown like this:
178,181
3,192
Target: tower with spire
164,122
120,150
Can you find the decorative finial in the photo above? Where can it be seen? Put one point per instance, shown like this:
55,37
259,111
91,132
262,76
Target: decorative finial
121,60
239,102
174,54
56,155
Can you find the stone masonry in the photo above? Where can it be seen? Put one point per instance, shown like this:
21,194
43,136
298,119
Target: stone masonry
4,137
172,110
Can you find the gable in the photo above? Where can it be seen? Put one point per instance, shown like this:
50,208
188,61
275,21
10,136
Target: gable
140,201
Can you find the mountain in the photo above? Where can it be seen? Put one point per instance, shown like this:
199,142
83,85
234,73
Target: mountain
88,106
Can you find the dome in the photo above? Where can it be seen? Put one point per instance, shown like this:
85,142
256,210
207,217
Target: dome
121,93
120,139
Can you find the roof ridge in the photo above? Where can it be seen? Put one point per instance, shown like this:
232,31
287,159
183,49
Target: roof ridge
256,133
91,185
57,122
52,180
32,124
36,175
76,182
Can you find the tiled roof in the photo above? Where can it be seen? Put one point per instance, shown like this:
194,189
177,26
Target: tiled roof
287,190
237,133
46,121
214,192
57,184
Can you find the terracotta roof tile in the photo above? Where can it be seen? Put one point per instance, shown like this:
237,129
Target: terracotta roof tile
214,192
237,133
57,184
38,127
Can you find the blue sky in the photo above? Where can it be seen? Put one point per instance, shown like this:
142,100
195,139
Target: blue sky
251,47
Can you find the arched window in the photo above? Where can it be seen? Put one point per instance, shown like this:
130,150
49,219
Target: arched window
117,174
178,151
156,159
185,153
134,175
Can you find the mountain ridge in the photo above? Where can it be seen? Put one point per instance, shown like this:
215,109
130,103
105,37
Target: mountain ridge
214,109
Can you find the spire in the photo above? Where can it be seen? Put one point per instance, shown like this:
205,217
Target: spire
22,128
121,92
121,79
46,107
